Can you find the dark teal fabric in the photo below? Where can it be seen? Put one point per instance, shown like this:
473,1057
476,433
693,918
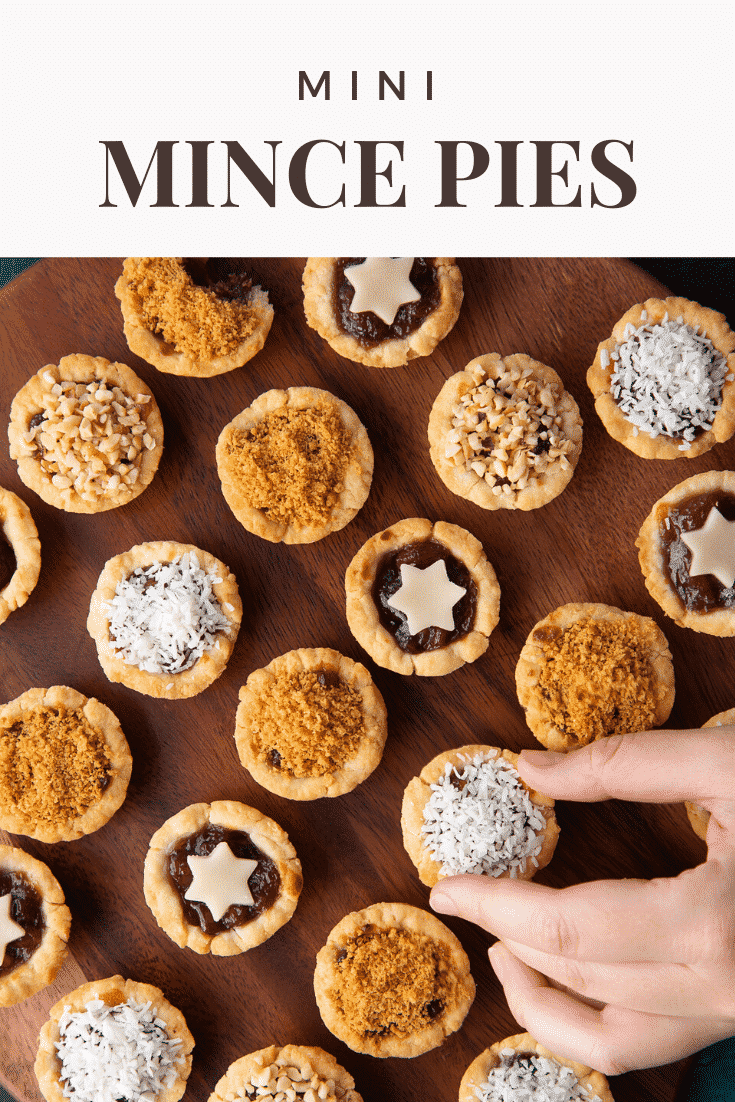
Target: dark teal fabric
10,267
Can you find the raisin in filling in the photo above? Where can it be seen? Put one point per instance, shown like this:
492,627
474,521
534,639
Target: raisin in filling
264,883
26,908
703,592
388,581
366,327
225,276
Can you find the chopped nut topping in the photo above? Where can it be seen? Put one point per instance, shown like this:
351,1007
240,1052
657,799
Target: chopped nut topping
278,1083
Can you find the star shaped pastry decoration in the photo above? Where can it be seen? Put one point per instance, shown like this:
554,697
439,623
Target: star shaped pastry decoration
427,597
713,548
382,286
220,880
9,928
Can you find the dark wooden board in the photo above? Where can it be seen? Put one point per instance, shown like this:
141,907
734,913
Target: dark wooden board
579,547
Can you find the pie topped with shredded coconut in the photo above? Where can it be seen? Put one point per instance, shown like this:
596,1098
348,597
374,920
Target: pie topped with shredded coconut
165,617
664,382
114,1039
519,1069
469,812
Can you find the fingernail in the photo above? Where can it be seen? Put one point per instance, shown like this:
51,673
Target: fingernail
498,960
541,759
442,903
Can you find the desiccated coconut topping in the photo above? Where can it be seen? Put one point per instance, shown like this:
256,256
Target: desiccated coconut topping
524,1077
667,378
480,819
164,617
115,1052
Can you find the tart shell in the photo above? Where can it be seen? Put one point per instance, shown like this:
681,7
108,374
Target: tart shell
30,400
356,481
171,686
113,991
40,969
22,535
653,560
104,721
356,768
467,483
699,816
163,898
318,287
617,424
164,356
594,1082
418,793
532,661
314,1065
362,614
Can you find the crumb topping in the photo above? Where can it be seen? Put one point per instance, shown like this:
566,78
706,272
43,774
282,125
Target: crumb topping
596,679
306,727
507,430
291,465
393,982
89,438
53,766
192,319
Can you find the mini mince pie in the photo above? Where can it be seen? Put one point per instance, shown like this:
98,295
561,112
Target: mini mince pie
310,724
686,548
295,465
664,382
468,811
504,433
64,764
303,1073
221,878
87,434
165,617
589,670
34,926
192,315
20,553
699,816
422,597
379,310
392,980
521,1069
114,1038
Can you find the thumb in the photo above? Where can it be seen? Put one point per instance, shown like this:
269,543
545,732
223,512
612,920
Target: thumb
650,766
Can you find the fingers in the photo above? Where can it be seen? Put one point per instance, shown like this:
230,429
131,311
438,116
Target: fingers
651,766
612,1040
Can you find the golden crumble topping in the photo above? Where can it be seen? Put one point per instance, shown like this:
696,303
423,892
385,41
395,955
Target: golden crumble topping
597,679
292,464
53,766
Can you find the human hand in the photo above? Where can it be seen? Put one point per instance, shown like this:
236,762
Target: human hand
621,974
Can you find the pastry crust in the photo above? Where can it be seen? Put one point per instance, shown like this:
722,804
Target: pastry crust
171,686
650,646
418,792
652,559
113,991
166,357
119,483
318,287
315,1069
55,701
469,1089
699,816
163,898
362,613
298,784
21,534
453,980
40,969
349,494
534,479
715,327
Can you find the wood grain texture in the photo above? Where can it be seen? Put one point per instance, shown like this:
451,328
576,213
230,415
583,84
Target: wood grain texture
579,547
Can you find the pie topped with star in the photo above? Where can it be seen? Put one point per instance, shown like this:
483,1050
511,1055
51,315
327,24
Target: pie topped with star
380,310
686,548
422,598
221,878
